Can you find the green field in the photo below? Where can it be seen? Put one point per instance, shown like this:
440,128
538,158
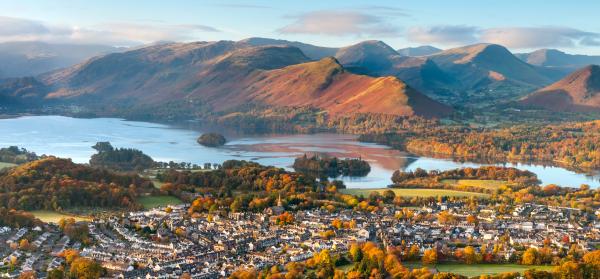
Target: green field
4,165
414,192
480,269
48,216
477,183
158,201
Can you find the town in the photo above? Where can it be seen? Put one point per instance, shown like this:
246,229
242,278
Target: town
165,243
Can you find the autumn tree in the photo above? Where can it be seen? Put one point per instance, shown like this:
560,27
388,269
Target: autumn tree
85,268
530,257
429,257
470,255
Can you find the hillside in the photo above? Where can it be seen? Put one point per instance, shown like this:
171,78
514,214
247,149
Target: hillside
493,63
374,57
311,51
489,73
578,92
418,51
327,85
21,59
56,184
224,76
557,58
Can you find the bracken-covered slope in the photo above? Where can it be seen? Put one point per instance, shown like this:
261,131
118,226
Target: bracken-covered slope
578,92
327,85
225,75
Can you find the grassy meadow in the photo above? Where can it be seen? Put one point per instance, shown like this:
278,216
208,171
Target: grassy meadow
48,216
158,201
476,183
413,192
472,270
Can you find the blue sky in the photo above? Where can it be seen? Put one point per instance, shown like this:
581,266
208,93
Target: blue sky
520,25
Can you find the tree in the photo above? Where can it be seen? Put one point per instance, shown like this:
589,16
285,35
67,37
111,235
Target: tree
538,274
413,253
530,257
24,244
103,146
569,270
445,217
592,258
27,275
355,252
70,255
336,223
470,255
85,268
56,274
472,219
244,274
429,257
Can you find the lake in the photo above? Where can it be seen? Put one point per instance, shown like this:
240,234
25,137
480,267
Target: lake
73,137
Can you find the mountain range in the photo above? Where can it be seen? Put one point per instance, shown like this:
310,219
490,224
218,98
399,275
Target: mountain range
558,59
222,76
370,76
18,59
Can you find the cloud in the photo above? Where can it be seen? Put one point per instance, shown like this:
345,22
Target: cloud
339,23
539,37
443,34
512,37
16,29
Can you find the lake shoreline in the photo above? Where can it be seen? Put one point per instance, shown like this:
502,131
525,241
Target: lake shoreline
73,137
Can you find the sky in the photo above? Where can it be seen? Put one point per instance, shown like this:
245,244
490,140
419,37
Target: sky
519,25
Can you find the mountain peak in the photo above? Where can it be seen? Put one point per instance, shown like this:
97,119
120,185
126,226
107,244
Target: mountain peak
372,55
264,57
419,51
475,52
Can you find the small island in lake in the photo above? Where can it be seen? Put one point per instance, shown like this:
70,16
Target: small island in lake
212,140
120,159
331,166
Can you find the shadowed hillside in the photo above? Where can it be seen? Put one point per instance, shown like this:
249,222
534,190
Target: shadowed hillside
578,92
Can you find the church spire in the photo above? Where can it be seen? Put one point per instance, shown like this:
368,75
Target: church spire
279,201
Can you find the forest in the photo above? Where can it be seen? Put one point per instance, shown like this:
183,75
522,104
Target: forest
572,145
420,178
57,184
331,166
16,155
120,159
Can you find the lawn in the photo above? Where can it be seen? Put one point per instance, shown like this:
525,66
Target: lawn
480,269
48,216
158,201
414,192
4,165
478,183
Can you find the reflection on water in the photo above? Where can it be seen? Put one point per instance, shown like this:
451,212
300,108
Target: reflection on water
72,138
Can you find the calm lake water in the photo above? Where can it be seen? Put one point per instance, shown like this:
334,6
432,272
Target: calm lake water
72,138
